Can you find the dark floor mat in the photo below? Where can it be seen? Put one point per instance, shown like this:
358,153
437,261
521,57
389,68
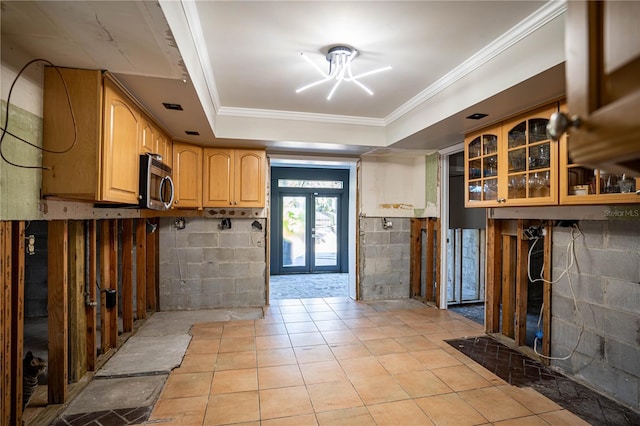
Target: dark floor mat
519,370
120,417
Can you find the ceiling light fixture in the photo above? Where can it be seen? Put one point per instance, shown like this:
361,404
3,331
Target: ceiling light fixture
339,58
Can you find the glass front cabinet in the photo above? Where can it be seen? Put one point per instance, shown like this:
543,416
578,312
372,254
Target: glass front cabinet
512,164
585,185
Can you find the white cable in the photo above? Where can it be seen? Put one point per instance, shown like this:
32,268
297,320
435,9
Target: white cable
570,250
569,263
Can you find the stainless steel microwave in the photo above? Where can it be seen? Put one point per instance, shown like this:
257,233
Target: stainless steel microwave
156,185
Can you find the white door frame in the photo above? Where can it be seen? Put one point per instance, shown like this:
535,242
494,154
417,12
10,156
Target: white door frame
444,217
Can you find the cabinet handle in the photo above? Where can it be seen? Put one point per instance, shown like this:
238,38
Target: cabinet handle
175,202
501,200
560,123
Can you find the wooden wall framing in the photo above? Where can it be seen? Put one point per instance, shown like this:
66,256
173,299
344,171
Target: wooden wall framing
508,281
12,246
73,250
427,231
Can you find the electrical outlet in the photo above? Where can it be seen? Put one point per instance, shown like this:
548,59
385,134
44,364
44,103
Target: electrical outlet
31,244
533,233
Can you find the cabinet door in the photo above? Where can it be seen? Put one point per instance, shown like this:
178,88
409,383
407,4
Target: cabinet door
187,175
165,148
529,169
481,168
603,88
147,137
120,165
218,177
249,178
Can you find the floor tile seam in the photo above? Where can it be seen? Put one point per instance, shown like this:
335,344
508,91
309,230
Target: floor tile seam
497,387
448,393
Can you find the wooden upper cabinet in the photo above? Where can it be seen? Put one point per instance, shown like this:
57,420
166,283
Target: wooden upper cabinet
187,175
218,177
603,88
481,167
164,147
102,165
250,172
529,170
147,138
512,164
155,141
581,184
234,177
76,172
120,164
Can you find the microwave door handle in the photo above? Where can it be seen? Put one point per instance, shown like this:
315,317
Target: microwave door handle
162,183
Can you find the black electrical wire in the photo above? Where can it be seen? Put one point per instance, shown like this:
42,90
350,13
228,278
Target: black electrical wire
6,119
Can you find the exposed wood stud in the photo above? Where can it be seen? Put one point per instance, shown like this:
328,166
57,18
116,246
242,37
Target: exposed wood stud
508,284
127,275
494,280
113,280
105,283
17,319
415,256
5,325
93,297
77,314
57,308
432,273
522,284
141,268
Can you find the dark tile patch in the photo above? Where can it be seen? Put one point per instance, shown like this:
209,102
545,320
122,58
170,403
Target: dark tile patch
120,417
519,370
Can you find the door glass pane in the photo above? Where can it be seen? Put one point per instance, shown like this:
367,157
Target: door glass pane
326,241
517,136
490,189
474,148
294,231
538,130
299,183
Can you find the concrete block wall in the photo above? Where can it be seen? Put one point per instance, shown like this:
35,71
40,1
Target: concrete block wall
606,284
204,267
384,258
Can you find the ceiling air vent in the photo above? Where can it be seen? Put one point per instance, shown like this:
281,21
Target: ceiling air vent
176,107
477,116
192,133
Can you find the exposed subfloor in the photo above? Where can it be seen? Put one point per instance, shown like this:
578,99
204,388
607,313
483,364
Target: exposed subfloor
519,370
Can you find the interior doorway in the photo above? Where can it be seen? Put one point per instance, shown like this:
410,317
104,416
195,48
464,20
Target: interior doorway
465,246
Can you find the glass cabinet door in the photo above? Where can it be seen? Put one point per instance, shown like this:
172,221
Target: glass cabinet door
531,160
482,162
586,185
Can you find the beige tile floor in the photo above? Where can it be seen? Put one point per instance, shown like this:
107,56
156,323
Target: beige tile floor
338,362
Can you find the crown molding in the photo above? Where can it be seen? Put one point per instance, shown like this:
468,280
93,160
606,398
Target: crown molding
299,116
527,26
195,29
524,28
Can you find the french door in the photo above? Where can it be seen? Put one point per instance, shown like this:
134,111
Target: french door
309,232
308,222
